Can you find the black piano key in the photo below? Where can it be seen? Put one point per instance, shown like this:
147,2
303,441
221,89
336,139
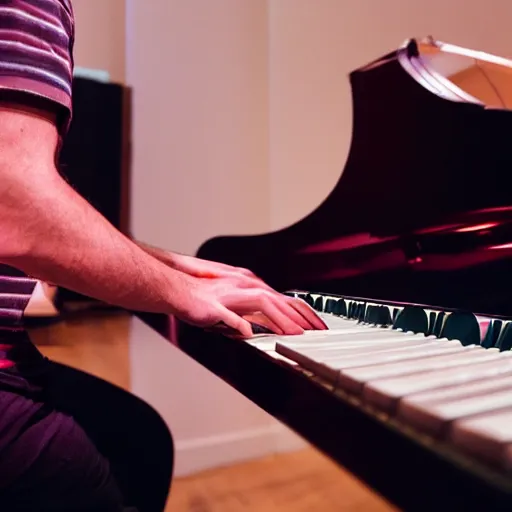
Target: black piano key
432,316
330,305
384,316
361,310
357,310
319,304
505,340
462,326
260,329
493,332
438,326
356,307
377,314
412,318
371,314
341,307
309,299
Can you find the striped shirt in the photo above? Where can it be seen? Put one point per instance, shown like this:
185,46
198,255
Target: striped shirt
36,49
36,61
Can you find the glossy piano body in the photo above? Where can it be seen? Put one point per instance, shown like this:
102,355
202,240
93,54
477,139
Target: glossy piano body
422,212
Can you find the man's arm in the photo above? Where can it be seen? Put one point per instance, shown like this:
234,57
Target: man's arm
196,266
48,231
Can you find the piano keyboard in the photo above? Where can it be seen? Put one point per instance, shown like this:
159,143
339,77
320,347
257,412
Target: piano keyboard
444,375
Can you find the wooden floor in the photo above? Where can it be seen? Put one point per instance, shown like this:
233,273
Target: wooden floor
304,481
97,345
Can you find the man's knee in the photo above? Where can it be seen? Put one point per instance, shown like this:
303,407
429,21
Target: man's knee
51,464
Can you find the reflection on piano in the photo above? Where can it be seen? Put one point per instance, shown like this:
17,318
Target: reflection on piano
409,260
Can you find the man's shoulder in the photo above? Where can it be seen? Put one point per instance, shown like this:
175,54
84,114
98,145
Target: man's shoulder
68,6
60,11
36,49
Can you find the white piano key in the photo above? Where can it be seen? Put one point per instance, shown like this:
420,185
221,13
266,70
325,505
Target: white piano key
438,395
343,353
336,322
385,393
316,339
262,344
349,344
487,436
355,378
353,338
310,357
335,345
402,354
435,417
355,333
330,369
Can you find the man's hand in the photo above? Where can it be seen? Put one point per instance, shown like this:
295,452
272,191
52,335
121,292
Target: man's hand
51,233
241,292
198,267
204,268
210,301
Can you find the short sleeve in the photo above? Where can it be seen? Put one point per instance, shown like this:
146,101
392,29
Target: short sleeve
36,50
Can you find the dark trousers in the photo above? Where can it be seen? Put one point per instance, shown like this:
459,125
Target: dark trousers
73,442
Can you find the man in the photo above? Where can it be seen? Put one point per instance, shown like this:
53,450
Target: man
51,233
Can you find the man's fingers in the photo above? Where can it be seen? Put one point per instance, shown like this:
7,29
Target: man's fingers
297,311
260,319
308,313
293,314
269,307
287,316
236,322
257,300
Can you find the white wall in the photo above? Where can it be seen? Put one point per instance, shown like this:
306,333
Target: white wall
242,124
199,73
100,36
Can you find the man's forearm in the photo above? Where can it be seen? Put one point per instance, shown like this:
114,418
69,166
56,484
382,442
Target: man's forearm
48,231
53,234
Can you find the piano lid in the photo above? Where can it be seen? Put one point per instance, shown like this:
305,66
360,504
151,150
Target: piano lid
423,206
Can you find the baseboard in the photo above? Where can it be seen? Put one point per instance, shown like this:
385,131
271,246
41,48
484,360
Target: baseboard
216,451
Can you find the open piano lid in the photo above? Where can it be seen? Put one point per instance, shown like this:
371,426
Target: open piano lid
422,212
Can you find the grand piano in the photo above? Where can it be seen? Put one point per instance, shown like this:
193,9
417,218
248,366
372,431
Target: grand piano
409,261
412,247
